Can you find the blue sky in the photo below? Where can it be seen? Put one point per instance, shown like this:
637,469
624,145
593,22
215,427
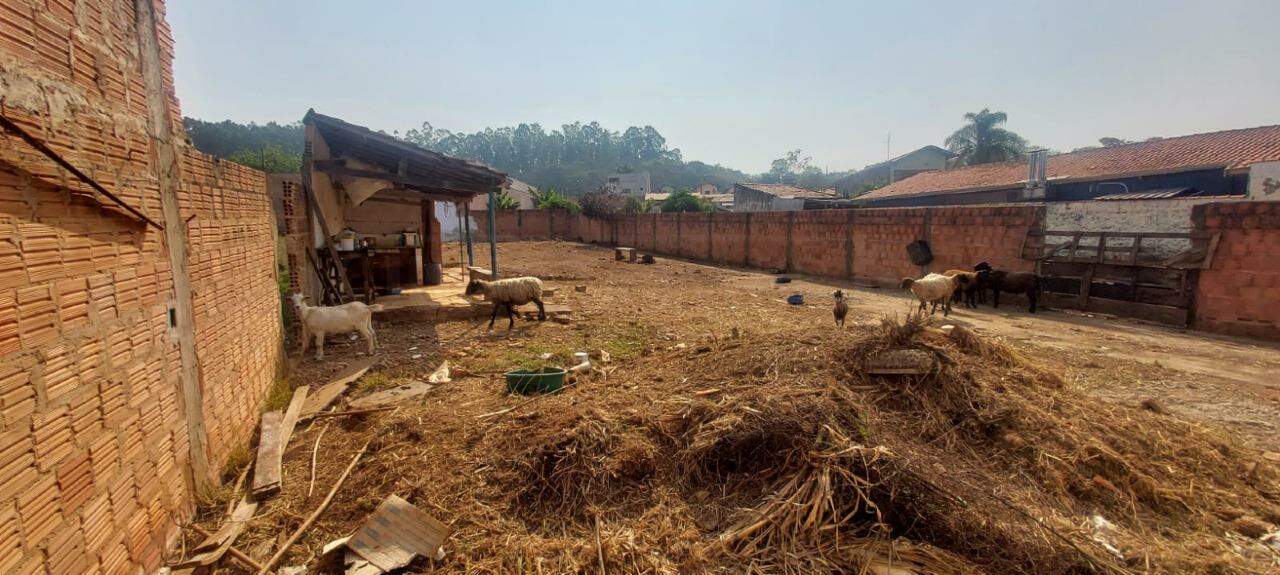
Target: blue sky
740,82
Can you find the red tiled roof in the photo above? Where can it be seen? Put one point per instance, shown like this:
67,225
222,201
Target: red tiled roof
1230,149
786,191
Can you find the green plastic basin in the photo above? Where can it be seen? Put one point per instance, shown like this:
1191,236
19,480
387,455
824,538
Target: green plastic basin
545,380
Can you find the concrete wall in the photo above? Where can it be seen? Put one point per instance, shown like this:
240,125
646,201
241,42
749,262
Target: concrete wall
1173,215
112,410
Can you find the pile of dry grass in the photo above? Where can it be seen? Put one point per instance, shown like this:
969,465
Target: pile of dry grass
780,454
801,461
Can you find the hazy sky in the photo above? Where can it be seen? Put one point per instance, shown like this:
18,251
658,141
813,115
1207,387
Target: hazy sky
740,82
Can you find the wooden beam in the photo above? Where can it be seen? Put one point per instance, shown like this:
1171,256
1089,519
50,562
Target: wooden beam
324,226
448,187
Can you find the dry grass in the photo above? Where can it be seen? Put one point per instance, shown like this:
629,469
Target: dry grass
775,452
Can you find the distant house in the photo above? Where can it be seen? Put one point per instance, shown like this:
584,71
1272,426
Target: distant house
634,184
1215,163
706,190
909,164
519,191
751,197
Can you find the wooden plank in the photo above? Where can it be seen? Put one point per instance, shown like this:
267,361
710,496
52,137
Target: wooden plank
330,391
266,470
291,415
1086,283
215,546
397,532
389,396
451,189
1210,252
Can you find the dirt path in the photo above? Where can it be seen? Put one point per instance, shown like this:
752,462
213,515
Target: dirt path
1225,381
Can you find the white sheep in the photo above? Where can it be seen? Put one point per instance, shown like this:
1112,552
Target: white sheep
318,322
510,293
935,289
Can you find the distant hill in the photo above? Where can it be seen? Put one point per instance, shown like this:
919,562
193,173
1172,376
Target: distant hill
574,159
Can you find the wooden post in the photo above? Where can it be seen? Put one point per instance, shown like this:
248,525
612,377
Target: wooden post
165,153
466,223
493,234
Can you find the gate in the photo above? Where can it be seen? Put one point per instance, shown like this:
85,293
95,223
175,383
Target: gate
1146,275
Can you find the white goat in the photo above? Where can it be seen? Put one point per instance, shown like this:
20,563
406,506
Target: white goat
318,322
510,293
935,289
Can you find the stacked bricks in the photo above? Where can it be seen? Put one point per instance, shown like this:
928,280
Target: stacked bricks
1238,293
94,455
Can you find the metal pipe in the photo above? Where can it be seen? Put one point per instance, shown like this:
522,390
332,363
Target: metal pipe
493,234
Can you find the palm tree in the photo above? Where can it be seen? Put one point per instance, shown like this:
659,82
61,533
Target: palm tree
983,140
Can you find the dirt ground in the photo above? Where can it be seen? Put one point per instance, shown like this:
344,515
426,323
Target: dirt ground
1215,379
439,452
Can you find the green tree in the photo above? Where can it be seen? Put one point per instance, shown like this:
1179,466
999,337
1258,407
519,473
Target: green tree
685,201
271,159
983,139
503,201
553,200
636,205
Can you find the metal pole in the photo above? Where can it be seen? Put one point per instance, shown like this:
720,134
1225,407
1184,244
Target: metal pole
493,235
466,222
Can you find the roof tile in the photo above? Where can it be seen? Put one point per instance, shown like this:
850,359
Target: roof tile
1230,149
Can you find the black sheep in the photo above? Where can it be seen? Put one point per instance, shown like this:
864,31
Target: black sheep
1009,282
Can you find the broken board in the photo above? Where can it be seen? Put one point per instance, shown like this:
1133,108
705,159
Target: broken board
395,533
291,415
551,309
215,546
389,396
330,391
266,470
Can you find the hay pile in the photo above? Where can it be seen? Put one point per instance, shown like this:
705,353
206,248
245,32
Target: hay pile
779,454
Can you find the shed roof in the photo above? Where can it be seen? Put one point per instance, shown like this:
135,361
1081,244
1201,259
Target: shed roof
1229,149
423,169
788,191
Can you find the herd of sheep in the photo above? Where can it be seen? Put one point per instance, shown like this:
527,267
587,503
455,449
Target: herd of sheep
970,287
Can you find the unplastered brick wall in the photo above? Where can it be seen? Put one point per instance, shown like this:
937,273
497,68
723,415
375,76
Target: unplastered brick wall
95,457
1238,293
863,244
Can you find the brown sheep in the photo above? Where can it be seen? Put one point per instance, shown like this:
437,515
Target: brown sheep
969,288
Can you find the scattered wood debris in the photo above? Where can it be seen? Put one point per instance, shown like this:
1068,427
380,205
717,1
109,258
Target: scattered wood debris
387,397
390,538
216,545
336,387
266,471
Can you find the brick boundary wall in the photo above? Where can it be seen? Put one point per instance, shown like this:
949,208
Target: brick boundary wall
97,466
1240,292
1236,296
866,245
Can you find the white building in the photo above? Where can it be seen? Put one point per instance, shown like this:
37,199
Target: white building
634,184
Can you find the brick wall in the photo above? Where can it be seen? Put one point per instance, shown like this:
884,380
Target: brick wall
95,455
1239,292
865,244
